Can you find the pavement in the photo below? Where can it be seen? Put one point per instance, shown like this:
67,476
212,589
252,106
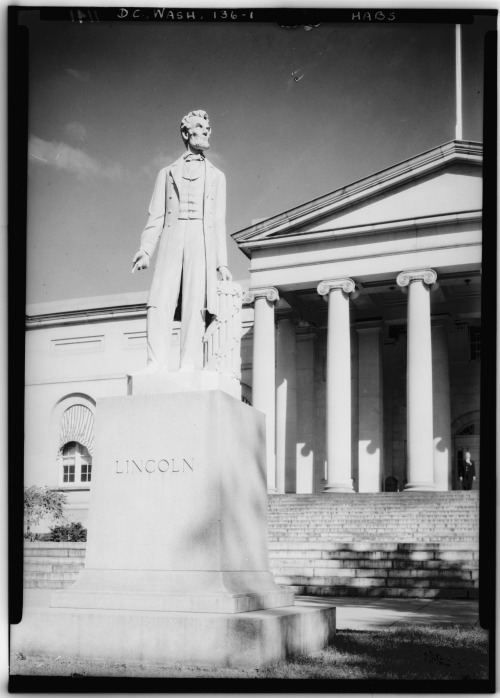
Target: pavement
358,613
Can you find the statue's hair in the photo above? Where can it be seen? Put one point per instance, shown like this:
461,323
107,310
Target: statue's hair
186,122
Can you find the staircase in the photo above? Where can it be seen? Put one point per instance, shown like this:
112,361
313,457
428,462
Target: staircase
52,565
413,544
401,544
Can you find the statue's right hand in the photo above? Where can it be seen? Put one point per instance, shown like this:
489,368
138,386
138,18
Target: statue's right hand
140,261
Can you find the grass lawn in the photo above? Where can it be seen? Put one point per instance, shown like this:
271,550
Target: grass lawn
405,653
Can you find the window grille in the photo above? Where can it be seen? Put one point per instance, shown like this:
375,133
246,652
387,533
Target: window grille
76,464
475,342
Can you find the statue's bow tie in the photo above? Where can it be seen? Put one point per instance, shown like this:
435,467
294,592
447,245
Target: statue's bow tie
191,158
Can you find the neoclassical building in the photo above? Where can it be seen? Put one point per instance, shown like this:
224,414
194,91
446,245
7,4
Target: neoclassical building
360,340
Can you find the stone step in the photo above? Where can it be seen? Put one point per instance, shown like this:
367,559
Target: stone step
47,584
324,558
389,574
48,565
363,545
380,592
393,567
61,551
58,575
386,582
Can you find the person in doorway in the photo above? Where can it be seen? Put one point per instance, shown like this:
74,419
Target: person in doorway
467,473
187,214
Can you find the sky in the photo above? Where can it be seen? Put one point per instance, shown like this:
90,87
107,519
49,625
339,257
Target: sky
295,114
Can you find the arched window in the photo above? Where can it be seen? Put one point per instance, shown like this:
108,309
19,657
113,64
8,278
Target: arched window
76,464
76,442
469,430
77,424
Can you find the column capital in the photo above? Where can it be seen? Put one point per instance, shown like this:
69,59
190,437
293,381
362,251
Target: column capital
428,276
344,284
269,292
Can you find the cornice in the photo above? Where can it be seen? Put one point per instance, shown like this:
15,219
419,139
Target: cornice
294,238
427,162
79,317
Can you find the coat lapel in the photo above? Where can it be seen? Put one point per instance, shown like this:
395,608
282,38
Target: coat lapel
209,176
176,172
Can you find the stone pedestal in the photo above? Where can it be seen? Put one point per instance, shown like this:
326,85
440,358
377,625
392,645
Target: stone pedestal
256,639
178,509
176,568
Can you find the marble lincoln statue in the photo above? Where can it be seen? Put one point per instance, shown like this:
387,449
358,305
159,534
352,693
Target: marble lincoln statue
187,215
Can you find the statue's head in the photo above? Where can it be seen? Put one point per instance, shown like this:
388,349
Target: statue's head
195,130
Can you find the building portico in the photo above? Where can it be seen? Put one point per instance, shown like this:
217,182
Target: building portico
397,257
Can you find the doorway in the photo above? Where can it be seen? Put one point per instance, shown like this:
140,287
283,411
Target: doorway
467,440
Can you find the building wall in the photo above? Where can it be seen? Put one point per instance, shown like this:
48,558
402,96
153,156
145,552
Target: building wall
81,363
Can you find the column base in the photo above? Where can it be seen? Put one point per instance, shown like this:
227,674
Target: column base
420,487
338,487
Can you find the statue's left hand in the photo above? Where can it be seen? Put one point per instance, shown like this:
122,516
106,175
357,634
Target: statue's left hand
225,274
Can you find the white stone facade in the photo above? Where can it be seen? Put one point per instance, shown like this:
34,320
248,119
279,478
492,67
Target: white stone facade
380,381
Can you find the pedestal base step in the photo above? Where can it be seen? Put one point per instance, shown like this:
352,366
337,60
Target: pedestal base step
188,591
256,639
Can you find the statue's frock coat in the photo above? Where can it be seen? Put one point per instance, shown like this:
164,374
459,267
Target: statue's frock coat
163,216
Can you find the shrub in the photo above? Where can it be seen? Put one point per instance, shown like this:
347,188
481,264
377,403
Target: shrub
41,502
71,532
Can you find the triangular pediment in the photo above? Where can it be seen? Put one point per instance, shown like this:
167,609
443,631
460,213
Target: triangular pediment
446,180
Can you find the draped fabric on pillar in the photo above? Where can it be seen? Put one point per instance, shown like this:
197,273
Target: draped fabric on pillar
222,339
77,424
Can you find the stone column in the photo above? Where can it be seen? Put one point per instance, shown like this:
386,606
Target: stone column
441,404
264,367
420,466
370,406
338,385
286,407
305,409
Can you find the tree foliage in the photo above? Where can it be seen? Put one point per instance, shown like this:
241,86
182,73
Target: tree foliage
40,503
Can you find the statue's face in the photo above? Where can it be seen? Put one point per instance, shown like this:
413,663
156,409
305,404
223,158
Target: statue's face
199,133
